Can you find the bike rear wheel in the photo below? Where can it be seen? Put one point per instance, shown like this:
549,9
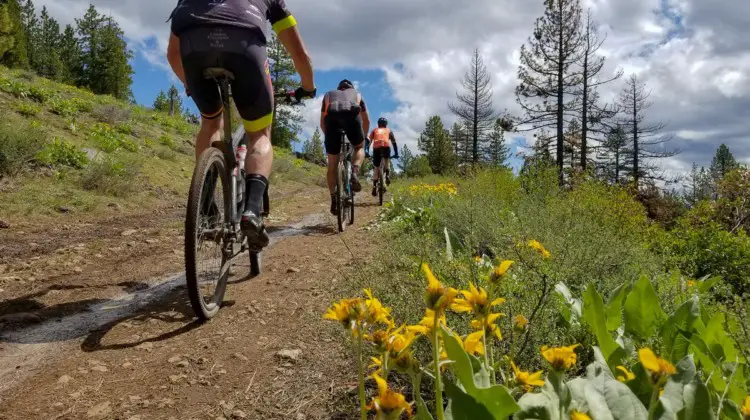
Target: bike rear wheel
205,234
381,188
341,197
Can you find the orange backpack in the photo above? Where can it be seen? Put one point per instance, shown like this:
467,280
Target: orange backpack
381,137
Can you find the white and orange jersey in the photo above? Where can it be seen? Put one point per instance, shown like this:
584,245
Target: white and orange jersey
381,137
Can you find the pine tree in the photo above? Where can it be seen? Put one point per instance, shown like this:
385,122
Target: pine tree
548,73
573,142
286,119
88,29
48,62
699,186
475,105
110,72
161,103
13,50
458,138
312,150
497,152
646,139
174,101
614,156
593,115
70,55
436,143
406,158
722,163
31,31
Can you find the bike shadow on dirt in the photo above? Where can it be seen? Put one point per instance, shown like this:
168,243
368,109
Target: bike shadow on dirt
27,320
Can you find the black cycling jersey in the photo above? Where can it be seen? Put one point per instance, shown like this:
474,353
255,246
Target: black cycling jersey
249,14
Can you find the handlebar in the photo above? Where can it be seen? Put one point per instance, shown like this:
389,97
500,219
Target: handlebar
294,97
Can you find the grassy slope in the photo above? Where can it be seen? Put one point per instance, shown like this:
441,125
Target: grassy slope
161,146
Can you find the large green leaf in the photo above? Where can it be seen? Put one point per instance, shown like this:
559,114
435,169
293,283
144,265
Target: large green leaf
464,406
717,339
705,284
595,317
495,399
697,402
642,309
544,405
614,307
683,319
608,398
572,307
672,400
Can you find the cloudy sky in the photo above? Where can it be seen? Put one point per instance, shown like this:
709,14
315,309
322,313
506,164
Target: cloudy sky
408,57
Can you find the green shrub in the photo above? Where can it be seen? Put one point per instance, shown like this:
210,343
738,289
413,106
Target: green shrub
28,109
62,153
109,140
167,141
19,146
63,107
126,128
39,94
112,175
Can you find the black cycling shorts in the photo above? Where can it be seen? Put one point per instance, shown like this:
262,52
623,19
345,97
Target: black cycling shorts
242,52
380,153
351,125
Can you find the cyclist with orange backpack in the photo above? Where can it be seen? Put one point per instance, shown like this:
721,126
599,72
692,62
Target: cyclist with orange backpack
381,138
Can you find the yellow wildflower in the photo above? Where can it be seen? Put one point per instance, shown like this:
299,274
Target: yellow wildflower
399,341
379,338
488,325
690,283
657,366
626,374
520,322
404,361
437,296
475,300
527,380
477,259
425,326
346,311
500,270
376,362
746,408
540,248
473,343
561,358
376,312
389,404
577,415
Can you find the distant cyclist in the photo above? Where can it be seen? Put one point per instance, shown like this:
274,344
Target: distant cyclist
344,109
230,34
381,138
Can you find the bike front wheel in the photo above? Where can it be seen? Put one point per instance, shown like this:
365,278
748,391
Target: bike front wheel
207,217
341,198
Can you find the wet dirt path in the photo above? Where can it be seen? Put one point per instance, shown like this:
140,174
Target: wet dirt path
140,354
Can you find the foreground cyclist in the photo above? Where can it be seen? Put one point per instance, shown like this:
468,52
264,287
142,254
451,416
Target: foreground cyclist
381,138
230,35
344,109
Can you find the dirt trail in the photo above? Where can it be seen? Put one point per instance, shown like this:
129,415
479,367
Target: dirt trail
118,340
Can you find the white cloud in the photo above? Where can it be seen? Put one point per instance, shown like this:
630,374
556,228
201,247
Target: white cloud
694,54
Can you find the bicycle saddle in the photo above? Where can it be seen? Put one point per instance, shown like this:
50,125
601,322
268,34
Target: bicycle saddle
217,73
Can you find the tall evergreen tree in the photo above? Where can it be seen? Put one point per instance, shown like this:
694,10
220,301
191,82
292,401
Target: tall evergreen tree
646,139
722,163
175,101
497,151
286,119
30,23
475,104
110,72
312,150
70,55
459,137
13,51
48,62
615,155
436,143
573,142
88,28
161,103
699,186
406,159
548,72
593,115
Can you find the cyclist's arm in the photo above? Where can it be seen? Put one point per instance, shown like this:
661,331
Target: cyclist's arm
395,146
365,116
323,115
175,58
285,27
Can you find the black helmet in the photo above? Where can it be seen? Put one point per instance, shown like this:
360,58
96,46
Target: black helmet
382,122
345,84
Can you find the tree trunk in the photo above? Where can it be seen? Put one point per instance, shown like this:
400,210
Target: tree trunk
475,155
584,110
560,57
636,170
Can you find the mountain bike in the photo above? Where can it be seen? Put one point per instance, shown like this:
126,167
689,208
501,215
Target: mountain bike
344,194
215,205
381,179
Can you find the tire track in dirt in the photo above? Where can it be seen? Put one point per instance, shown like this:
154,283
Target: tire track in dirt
267,354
